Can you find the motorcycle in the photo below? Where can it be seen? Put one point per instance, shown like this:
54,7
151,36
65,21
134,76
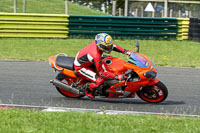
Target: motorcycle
140,71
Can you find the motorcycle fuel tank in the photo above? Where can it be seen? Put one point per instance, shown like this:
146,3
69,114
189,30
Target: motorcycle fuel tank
114,65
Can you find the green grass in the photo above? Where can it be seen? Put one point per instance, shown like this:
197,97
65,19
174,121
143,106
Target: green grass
163,53
32,121
47,7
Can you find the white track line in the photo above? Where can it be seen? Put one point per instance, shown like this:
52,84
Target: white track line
98,111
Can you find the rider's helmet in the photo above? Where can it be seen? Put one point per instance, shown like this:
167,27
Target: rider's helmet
104,42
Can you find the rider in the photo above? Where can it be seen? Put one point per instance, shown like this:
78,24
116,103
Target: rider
92,55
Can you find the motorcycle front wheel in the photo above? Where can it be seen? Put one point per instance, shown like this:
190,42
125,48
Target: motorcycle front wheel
63,78
153,94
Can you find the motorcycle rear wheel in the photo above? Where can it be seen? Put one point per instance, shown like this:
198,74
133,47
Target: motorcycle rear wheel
154,94
63,78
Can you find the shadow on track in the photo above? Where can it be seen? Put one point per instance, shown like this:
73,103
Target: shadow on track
126,101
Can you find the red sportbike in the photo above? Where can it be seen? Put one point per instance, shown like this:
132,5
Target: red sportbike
139,69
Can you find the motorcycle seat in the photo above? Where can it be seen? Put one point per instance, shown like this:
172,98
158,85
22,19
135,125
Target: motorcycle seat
65,62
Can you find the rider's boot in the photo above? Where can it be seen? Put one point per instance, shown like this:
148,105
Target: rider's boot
90,90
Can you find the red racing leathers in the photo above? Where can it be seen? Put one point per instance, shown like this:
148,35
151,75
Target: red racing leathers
91,55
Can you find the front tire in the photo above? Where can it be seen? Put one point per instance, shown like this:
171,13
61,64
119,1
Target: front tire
154,94
68,80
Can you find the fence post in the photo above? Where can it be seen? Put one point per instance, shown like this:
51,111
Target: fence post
153,13
190,14
170,13
179,13
120,12
113,8
162,13
66,7
136,12
165,8
24,6
142,11
15,6
126,8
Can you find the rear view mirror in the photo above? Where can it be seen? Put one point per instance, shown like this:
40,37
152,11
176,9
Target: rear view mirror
137,45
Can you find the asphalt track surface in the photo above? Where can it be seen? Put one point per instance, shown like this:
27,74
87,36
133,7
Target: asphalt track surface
27,83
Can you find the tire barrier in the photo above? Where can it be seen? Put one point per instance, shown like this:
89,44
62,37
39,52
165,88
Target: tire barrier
123,27
33,25
183,28
194,30
79,26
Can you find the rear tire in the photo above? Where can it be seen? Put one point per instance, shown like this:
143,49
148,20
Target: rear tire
63,78
154,94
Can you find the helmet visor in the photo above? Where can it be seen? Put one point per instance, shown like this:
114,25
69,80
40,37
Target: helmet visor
106,48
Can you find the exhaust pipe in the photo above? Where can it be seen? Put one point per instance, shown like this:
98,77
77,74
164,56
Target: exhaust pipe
64,86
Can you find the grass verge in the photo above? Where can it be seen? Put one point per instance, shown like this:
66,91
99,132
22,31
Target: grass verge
163,53
48,7
33,121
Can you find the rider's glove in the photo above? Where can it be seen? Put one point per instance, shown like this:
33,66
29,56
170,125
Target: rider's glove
128,52
106,56
120,77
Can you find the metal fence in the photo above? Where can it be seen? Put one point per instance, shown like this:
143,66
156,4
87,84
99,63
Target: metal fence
163,8
137,8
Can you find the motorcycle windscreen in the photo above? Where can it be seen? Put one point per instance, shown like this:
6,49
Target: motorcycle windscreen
138,60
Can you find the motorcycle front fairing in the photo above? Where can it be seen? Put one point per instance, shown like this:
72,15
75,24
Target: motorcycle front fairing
145,69
140,62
